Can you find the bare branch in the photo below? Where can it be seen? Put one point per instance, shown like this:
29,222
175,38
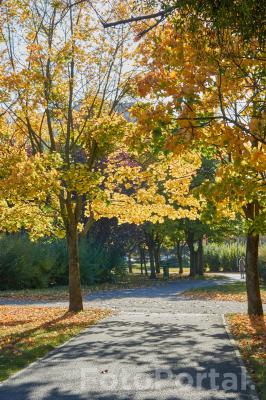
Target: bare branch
162,13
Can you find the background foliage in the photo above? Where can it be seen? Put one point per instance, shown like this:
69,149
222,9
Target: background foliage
25,264
222,257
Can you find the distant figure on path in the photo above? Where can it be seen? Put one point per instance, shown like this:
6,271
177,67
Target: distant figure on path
242,264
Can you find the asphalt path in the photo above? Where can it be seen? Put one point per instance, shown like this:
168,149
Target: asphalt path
156,345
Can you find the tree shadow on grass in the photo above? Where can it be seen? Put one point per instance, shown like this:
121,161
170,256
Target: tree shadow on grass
19,336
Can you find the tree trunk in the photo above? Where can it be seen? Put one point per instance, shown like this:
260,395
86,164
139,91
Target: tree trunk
200,260
141,260
252,270
152,264
192,254
252,276
179,251
157,258
144,262
129,263
75,296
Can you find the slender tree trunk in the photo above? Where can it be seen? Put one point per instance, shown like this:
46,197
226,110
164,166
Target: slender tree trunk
192,257
75,296
179,251
157,258
144,262
196,261
200,263
129,263
192,254
252,276
252,270
152,263
141,260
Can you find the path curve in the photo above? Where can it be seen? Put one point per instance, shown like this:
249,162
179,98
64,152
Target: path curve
156,346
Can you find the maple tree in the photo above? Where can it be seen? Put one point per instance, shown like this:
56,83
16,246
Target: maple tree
62,81
245,18
24,183
62,78
208,93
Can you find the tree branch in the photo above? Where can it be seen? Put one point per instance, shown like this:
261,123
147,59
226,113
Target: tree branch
162,13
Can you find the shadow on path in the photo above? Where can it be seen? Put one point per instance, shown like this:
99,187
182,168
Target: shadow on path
137,357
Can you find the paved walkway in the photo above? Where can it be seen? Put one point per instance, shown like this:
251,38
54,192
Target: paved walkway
163,299
156,346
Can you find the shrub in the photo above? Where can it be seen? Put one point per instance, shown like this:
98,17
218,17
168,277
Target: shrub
224,257
25,264
98,263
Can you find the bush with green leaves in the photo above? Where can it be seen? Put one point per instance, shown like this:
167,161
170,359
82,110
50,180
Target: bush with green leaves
99,263
25,264
225,256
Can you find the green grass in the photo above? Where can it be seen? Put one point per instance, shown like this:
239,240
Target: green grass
235,287
172,270
28,333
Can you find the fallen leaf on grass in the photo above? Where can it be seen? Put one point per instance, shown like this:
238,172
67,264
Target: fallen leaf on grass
219,296
23,324
250,335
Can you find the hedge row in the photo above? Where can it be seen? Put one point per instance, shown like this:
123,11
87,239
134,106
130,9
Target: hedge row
224,257
26,264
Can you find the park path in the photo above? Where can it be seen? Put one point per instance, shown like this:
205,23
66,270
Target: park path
156,346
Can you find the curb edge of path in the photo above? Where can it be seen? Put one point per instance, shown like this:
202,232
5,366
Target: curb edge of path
250,384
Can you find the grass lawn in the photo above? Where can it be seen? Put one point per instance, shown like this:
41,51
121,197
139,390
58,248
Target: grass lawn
235,291
136,270
27,333
250,336
174,273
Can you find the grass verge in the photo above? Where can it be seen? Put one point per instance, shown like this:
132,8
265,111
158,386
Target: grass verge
172,270
250,336
27,333
235,291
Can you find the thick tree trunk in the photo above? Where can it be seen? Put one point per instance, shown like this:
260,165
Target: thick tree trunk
75,296
152,263
252,270
252,276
